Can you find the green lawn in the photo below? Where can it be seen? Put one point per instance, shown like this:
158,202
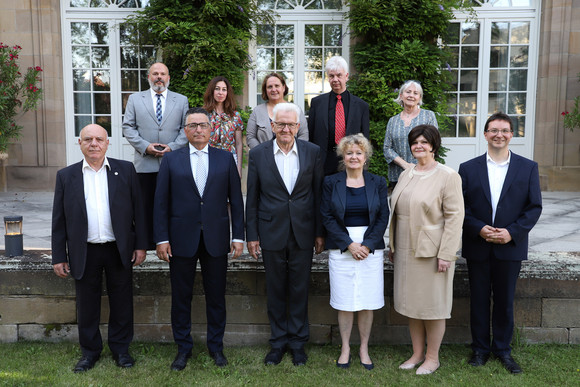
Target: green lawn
47,364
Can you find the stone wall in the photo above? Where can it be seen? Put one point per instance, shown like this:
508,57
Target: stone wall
37,305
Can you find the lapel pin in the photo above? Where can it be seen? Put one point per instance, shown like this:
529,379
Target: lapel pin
116,173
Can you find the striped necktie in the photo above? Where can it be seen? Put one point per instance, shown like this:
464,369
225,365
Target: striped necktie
158,113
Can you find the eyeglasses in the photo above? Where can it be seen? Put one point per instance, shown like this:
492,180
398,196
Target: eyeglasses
496,131
194,125
282,125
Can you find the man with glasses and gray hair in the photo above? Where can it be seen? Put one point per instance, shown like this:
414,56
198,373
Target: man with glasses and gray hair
284,225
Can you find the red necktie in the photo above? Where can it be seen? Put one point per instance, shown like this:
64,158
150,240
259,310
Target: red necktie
339,124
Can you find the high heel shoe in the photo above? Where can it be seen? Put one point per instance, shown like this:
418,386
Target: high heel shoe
368,367
343,365
426,371
410,366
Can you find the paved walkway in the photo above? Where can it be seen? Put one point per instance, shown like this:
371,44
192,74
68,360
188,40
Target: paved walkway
557,230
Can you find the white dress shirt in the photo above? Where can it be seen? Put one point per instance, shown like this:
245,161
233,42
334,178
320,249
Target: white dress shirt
496,173
288,165
154,101
97,203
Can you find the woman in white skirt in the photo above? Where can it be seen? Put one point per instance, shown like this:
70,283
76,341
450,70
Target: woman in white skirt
355,214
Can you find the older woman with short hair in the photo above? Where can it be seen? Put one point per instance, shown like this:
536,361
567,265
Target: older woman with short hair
355,213
274,90
396,150
424,237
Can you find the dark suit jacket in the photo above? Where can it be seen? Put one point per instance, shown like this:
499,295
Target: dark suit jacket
271,211
333,208
180,213
518,209
69,215
358,120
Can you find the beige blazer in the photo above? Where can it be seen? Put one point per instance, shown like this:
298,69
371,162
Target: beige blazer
436,214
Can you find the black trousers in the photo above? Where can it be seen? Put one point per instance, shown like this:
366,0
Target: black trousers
148,182
105,257
492,279
182,273
287,281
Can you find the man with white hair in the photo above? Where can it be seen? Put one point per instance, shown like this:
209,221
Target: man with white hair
336,114
284,224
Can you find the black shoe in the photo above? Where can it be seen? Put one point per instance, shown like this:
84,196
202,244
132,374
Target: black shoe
274,357
180,361
478,359
299,357
343,365
368,367
85,363
219,358
510,364
124,360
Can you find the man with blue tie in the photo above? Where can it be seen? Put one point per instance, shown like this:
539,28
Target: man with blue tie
503,202
192,223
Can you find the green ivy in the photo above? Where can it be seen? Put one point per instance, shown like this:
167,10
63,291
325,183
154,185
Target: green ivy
200,40
397,40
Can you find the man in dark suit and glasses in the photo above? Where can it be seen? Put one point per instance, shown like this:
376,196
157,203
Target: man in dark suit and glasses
503,202
336,114
97,224
284,223
192,223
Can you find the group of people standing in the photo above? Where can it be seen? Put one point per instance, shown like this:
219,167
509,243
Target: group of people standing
307,190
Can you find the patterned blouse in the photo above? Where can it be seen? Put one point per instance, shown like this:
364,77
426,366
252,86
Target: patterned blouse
223,128
397,143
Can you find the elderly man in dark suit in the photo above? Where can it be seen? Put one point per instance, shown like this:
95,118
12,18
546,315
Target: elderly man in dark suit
153,125
192,223
502,203
284,223
97,224
336,114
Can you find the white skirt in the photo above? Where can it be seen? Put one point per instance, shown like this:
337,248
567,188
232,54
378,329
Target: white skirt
356,285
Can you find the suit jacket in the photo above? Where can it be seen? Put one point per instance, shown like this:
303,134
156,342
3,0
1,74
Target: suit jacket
69,215
518,209
140,127
259,129
333,208
271,211
358,120
180,213
436,214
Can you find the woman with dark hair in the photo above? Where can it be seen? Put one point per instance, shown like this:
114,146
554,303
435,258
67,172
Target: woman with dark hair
395,148
424,238
274,90
355,213
226,122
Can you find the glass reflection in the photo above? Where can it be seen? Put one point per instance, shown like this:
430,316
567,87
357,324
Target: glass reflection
448,129
129,58
496,103
454,57
124,99
80,57
332,35
79,33
499,32
143,79
467,127
330,52
285,58
129,80
520,33
498,80
518,80
289,77
80,123
517,103
102,103
333,4
468,80
519,56
126,34
285,35
451,103
313,4
468,103
313,82
82,103
498,57
148,56
81,80
100,57
313,58
101,80
265,35
99,33
470,33
79,3
105,122
265,58
266,4
452,36
519,126
313,35
469,56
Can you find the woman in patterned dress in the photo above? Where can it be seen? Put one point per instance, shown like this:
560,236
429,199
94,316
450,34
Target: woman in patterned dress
226,122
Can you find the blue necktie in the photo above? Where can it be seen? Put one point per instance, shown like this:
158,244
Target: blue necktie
158,113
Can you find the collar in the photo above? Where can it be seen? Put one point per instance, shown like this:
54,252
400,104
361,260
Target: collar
193,149
153,94
105,164
341,94
489,159
277,148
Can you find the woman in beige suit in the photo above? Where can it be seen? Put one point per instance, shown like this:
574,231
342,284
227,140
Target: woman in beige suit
425,232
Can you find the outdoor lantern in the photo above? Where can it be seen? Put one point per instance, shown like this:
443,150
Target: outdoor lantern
13,236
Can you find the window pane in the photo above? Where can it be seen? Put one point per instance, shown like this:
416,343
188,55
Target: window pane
126,34
454,79
330,52
125,98
265,36
281,4
259,79
470,57
468,80
129,57
517,103
452,34
102,103
498,57
519,56
499,33
312,4
470,33
99,33
468,103
333,4
452,103
79,33
105,122
519,126
79,3
266,4
449,129
520,33
100,57
265,58
496,103
498,80
81,80
285,35
129,80
101,80
332,35
518,80
467,127
313,58
80,57
80,123
289,77
285,58
82,103
313,82
307,99
313,35
147,57
454,59
144,81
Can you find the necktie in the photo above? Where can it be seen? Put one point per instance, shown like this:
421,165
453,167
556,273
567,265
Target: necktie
158,113
200,173
339,124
